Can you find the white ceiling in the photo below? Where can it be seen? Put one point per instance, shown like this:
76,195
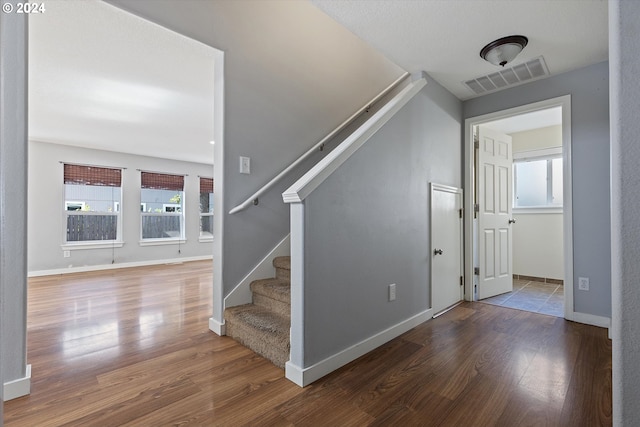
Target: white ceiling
103,78
444,37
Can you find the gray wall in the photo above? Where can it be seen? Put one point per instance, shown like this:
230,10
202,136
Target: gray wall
367,226
13,197
590,146
282,95
46,217
624,51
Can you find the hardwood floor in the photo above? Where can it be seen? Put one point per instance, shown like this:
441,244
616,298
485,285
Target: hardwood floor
131,347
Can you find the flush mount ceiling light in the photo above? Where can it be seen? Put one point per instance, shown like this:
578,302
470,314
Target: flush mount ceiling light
504,50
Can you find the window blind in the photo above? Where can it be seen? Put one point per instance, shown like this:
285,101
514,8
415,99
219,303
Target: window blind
92,175
206,185
161,181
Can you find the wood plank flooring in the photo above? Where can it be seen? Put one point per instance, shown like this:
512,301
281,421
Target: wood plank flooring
131,347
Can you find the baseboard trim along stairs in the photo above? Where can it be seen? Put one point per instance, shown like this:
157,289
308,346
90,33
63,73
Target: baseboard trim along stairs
263,325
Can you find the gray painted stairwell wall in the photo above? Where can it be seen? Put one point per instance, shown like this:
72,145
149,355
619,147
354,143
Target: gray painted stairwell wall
589,90
367,226
282,95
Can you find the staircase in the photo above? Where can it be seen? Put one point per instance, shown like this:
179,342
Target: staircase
263,326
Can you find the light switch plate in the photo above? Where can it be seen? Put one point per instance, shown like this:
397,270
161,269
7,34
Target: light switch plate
245,165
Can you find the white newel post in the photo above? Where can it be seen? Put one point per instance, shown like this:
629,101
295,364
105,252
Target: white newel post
294,366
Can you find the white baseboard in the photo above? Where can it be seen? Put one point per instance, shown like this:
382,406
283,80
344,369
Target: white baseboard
590,319
17,388
87,268
305,376
217,327
241,294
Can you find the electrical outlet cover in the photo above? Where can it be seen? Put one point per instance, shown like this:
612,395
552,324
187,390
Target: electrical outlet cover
583,283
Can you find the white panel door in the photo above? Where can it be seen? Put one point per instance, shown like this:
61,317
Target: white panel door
495,193
446,247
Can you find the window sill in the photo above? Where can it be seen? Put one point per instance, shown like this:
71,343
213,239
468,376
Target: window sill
161,242
540,210
90,245
205,239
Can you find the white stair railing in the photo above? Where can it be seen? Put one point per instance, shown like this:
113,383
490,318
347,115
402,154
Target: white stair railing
325,167
254,198
295,369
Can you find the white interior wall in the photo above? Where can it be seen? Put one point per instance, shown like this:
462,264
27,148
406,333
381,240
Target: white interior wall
46,216
537,139
537,237
537,245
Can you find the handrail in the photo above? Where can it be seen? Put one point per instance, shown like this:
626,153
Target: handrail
253,199
325,167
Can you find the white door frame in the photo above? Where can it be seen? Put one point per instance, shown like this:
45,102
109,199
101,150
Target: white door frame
565,103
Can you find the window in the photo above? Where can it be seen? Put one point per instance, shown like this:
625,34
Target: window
162,206
92,204
538,181
206,208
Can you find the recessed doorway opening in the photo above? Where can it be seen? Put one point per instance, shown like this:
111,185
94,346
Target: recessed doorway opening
519,254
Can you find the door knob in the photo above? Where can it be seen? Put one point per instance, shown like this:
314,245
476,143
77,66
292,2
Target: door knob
437,251
512,221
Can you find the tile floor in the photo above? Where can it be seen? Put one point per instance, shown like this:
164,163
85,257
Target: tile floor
545,298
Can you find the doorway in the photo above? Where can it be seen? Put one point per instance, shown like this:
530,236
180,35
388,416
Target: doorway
446,248
536,267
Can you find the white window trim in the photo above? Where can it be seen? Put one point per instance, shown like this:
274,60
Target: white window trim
168,240
532,210
92,244
162,242
205,238
531,156
541,154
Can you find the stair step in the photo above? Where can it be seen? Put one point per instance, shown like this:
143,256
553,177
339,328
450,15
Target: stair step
261,330
273,294
282,265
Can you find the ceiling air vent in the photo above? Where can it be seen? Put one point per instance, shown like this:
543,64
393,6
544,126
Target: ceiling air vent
507,77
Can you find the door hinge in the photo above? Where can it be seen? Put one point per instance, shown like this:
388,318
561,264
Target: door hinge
476,271
461,280
460,212
476,209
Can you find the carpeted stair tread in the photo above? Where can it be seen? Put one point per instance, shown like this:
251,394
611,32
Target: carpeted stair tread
277,289
261,330
282,265
282,262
